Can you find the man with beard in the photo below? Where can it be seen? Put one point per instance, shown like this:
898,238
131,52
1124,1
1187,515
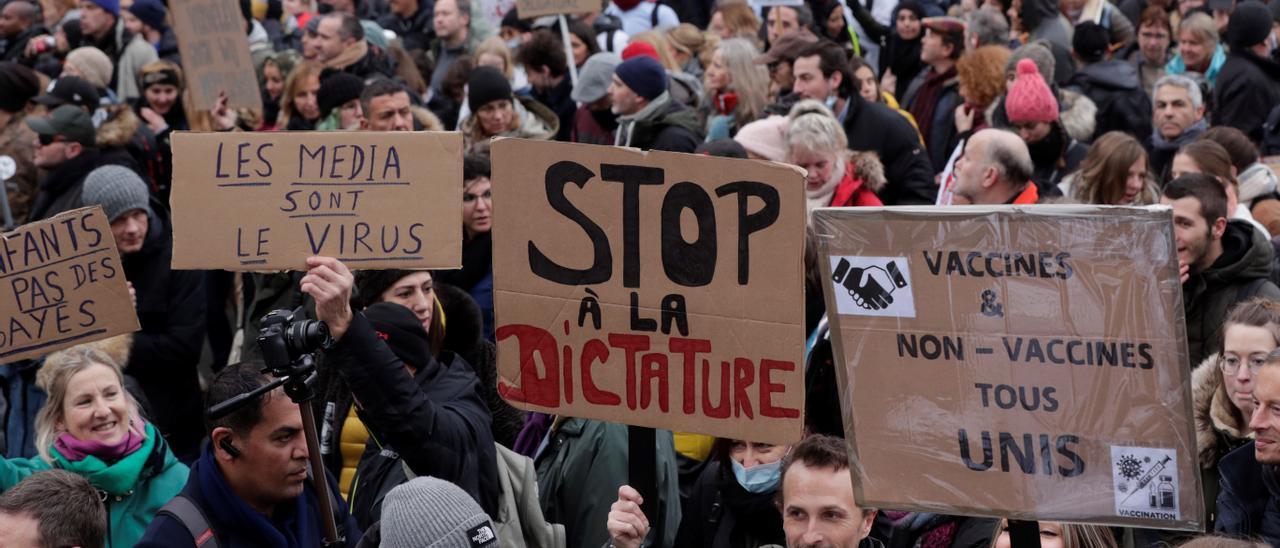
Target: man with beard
594,121
1223,261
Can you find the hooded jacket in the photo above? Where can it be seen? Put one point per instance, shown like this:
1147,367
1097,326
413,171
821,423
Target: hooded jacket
863,177
1250,87
877,128
435,421
133,488
171,312
1116,90
664,124
1207,296
580,468
536,122
1054,157
130,53
1219,427
235,524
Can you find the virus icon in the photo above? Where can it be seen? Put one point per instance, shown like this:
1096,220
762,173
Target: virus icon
1129,467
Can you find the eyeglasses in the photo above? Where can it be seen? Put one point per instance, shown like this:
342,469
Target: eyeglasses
46,140
1230,363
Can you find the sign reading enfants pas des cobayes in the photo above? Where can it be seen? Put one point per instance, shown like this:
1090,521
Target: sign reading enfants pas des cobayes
1022,362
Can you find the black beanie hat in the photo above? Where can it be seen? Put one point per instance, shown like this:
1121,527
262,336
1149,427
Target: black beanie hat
1250,24
370,284
336,89
402,331
485,86
18,85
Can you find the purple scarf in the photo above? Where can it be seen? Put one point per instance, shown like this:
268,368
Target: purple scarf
75,450
530,437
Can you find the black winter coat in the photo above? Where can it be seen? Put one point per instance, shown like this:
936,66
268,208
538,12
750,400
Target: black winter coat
1247,499
435,420
1116,88
721,514
559,101
166,351
875,127
61,189
416,32
1248,87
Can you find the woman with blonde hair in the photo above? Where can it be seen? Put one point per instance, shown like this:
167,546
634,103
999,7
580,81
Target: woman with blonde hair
834,175
734,19
688,45
1114,172
299,108
92,426
497,112
735,87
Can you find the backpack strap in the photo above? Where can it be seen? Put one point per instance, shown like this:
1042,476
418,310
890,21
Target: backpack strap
192,517
653,16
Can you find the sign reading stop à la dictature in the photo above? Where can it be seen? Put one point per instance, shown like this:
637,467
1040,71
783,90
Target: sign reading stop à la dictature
1021,362
652,289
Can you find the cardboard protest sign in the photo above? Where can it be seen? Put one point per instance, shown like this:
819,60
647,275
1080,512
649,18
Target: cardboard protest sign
659,289
63,285
267,201
215,53
537,8
1029,363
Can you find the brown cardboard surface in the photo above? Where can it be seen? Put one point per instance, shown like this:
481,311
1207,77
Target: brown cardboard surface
215,53
267,201
579,288
538,8
1098,292
63,285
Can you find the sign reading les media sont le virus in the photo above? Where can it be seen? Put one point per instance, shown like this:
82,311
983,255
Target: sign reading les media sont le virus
267,201
63,285
1027,363
652,289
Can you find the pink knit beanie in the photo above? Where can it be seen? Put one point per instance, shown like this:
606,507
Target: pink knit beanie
1030,99
766,137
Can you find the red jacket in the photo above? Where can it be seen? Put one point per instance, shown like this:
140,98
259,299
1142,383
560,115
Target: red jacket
852,192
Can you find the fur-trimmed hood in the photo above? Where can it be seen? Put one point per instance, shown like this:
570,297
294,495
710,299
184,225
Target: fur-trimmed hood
1078,116
119,127
868,167
1215,415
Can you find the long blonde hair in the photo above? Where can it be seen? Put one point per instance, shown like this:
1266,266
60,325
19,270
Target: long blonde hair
749,80
293,83
54,377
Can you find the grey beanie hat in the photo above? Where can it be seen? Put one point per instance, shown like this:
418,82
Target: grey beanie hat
1039,53
595,77
117,189
427,512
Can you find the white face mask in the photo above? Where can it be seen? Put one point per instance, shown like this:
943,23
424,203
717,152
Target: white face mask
513,43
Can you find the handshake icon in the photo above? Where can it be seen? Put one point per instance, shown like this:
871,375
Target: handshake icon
871,287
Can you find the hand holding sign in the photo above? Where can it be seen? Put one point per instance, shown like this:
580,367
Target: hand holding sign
627,523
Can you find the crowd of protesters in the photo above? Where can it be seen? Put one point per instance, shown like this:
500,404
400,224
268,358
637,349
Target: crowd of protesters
1140,102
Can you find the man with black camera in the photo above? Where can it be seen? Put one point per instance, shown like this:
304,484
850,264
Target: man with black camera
423,411
251,485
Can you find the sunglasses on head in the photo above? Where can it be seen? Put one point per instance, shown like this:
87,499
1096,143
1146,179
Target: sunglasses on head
46,140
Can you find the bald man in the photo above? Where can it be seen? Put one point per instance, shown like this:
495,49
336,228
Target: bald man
994,169
19,22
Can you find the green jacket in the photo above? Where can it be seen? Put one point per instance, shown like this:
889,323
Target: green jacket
1208,296
579,473
134,488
